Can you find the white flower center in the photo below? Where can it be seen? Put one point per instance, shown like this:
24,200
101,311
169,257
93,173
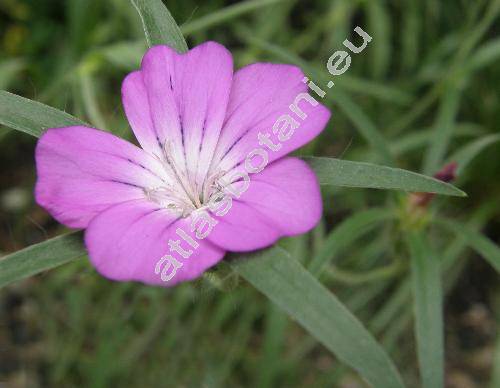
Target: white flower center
182,193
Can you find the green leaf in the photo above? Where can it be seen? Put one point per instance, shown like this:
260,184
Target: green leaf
273,345
274,273
344,234
380,28
159,25
484,56
346,173
9,70
481,244
88,91
443,130
40,257
378,90
480,29
364,124
284,281
225,14
125,55
421,137
410,33
428,305
30,116
466,154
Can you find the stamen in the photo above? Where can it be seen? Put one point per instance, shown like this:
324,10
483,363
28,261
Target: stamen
170,200
211,184
181,178
182,196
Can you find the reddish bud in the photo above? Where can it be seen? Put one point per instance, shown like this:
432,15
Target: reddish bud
446,174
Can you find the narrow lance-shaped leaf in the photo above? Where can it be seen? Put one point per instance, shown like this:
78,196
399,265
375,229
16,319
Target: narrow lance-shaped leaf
344,234
481,244
40,257
466,154
273,344
33,118
346,173
159,25
484,56
225,14
124,55
443,130
273,272
422,137
288,284
380,26
428,306
364,124
30,116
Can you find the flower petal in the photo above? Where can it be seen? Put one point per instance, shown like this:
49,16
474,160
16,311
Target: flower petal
182,99
282,200
128,241
260,99
81,171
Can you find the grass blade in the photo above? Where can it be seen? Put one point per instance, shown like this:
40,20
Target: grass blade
30,116
288,284
33,117
484,56
466,154
40,257
421,138
443,130
378,90
364,124
159,25
346,173
379,22
225,14
89,99
344,234
124,55
273,272
273,345
9,70
481,244
428,304
410,34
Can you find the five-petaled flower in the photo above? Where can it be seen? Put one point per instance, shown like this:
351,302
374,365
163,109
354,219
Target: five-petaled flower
197,123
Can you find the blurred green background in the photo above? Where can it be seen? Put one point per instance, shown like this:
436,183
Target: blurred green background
431,70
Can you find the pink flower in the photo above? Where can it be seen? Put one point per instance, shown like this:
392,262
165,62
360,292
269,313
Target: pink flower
166,212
